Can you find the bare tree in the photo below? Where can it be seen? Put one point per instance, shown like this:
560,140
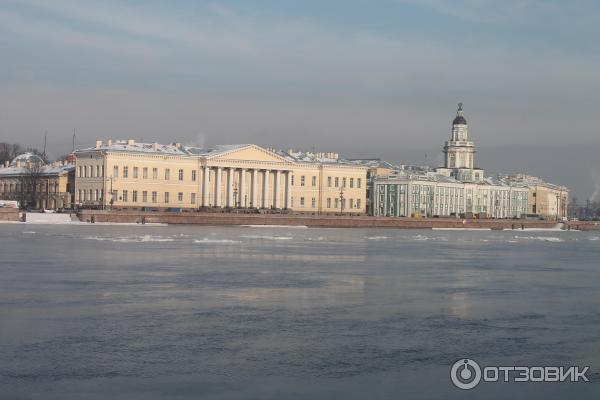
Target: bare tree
8,151
30,181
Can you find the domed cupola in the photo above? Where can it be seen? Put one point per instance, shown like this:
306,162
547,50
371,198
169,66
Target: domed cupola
460,117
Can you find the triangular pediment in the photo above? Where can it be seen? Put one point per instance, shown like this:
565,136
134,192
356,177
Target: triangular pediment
249,152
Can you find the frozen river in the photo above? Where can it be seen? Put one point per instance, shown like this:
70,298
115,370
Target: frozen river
189,312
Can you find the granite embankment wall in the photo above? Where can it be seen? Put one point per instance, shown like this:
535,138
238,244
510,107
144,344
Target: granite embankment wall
583,225
9,214
305,220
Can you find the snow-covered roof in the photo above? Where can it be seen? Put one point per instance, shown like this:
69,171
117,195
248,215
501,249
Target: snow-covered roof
529,181
315,157
372,163
168,149
45,170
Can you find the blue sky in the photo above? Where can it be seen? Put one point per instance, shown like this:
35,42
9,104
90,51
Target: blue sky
367,78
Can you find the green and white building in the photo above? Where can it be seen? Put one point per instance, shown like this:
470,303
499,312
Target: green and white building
457,189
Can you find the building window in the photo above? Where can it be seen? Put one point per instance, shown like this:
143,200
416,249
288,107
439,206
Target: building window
351,182
358,183
351,203
292,180
314,181
144,196
125,172
134,196
154,173
301,201
180,197
154,197
329,202
135,172
180,174
166,197
314,202
193,175
328,181
336,202
337,181
98,171
193,198
302,180
124,196
343,182
145,173
167,174
357,203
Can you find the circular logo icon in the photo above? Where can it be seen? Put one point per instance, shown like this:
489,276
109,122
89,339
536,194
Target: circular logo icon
465,374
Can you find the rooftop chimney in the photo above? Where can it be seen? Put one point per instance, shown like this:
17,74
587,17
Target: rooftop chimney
6,164
155,146
130,142
109,142
98,143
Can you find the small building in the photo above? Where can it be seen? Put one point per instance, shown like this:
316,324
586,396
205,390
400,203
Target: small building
35,184
546,200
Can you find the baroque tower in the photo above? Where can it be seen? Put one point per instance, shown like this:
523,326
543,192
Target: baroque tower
459,152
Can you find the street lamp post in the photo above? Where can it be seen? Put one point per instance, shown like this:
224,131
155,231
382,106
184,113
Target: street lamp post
342,199
112,193
235,198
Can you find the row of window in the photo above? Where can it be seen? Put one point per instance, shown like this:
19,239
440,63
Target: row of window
134,196
336,204
52,187
98,172
152,197
331,181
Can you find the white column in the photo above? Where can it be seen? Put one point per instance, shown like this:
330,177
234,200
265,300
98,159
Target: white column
230,187
254,184
243,198
218,174
288,190
205,191
265,193
277,185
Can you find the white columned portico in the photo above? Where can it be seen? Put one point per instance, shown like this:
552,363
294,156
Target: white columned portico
243,198
254,188
230,187
276,190
288,190
205,191
265,193
218,173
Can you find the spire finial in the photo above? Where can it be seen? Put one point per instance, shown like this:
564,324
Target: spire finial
460,106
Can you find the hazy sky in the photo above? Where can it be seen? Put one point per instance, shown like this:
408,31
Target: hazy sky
366,78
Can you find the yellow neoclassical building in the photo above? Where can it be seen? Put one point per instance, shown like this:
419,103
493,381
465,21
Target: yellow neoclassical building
129,174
